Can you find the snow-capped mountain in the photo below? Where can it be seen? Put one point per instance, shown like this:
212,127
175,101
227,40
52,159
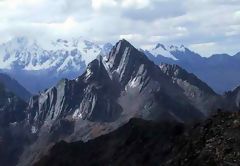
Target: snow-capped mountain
167,52
170,53
25,58
31,55
212,70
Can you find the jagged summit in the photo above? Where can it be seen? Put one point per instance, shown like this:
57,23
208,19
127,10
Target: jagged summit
171,54
124,53
161,50
159,45
96,70
180,48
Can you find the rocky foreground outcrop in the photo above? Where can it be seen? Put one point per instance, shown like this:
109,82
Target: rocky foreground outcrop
214,142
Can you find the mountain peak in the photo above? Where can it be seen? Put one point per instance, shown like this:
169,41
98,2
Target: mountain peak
159,45
160,49
119,52
123,43
181,48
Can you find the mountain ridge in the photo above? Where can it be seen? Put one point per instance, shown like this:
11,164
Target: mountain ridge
165,144
123,85
212,70
13,86
113,89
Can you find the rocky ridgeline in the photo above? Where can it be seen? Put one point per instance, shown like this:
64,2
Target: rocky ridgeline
213,142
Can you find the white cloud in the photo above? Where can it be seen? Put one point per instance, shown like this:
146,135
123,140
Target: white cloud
237,15
139,4
98,4
132,37
143,22
204,48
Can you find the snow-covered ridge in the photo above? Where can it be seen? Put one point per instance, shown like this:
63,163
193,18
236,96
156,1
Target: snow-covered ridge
166,51
62,55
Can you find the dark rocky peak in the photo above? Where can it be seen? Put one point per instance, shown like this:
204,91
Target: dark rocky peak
96,71
118,52
140,79
159,45
124,52
125,62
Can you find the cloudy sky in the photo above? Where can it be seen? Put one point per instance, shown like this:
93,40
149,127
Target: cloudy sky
206,26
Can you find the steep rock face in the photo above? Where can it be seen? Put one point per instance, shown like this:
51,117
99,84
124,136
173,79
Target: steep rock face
13,86
13,137
232,99
147,90
202,96
11,107
89,97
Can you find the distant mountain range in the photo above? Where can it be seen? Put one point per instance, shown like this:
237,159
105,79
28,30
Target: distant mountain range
39,65
219,71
